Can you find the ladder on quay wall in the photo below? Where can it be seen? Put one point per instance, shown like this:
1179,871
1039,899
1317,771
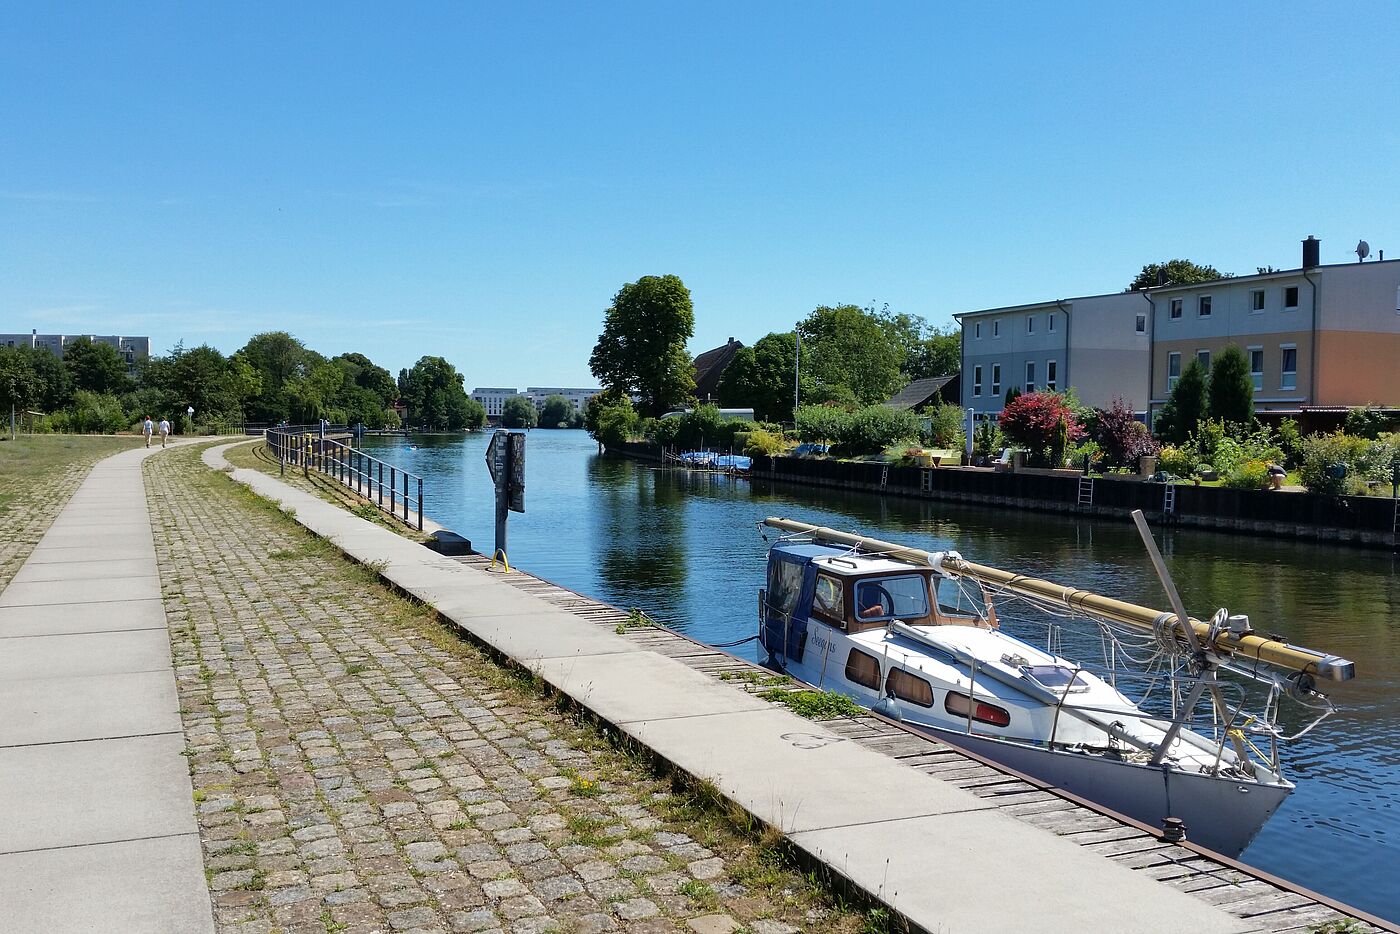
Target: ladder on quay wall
1169,500
1086,491
885,476
926,480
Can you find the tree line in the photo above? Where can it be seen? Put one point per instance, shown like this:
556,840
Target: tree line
273,378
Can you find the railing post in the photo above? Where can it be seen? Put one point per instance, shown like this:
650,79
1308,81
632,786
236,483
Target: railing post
405,497
420,504
393,487
381,484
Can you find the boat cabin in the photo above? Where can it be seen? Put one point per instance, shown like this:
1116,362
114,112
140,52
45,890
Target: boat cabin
855,593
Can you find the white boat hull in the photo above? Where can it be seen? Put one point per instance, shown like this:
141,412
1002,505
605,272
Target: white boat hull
1219,814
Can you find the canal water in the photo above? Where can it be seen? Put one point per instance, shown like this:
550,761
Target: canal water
684,547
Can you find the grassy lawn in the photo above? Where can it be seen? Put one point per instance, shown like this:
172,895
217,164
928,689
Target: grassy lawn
31,457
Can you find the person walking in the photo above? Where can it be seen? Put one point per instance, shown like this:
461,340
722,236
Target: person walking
164,431
147,426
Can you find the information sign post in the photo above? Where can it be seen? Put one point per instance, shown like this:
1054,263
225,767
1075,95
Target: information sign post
505,458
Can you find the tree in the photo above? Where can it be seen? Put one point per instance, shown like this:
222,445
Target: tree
435,396
761,377
609,417
1230,395
518,412
937,354
1174,272
95,367
19,385
1044,423
1185,407
853,349
642,347
557,411
277,357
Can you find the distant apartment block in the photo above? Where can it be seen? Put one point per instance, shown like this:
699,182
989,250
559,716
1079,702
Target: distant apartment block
493,399
132,349
579,397
1317,338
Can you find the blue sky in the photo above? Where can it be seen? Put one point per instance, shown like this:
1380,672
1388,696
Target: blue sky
477,181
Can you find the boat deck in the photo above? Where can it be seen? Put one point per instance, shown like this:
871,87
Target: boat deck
1268,903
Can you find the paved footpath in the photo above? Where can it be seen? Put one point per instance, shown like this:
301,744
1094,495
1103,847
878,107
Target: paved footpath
98,830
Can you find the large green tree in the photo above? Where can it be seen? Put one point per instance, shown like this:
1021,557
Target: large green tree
761,377
642,347
1186,405
557,411
19,385
855,355
1174,272
1230,395
278,358
518,412
433,391
95,367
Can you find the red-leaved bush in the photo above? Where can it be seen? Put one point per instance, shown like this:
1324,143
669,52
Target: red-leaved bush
1033,421
1121,437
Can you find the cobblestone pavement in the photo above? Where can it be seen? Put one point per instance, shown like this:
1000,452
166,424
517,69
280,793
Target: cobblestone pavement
358,769
34,489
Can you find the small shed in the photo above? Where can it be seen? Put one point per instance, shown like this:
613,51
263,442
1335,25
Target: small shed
923,392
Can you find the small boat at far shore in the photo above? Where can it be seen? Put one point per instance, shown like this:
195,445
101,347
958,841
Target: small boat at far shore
916,636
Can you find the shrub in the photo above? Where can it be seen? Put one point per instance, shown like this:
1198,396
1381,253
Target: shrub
987,440
1177,461
1230,393
1120,435
760,441
1044,424
92,412
1289,440
819,422
1250,475
945,426
872,429
1329,462
1370,422
613,421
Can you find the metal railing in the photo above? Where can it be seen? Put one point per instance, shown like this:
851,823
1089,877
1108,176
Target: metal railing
307,447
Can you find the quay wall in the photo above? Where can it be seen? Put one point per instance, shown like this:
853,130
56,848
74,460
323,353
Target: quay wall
1366,521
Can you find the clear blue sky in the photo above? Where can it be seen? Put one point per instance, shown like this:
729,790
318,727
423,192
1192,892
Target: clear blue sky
477,180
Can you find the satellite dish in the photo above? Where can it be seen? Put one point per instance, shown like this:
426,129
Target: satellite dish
1363,249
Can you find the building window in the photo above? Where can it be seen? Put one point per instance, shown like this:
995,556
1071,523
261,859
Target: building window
1175,308
976,381
996,379
1256,367
1290,298
1050,322
1030,376
1203,307
909,687
863,669
1288,369
1256,301
1030,324
1141,325
996,329
977,331
1051,368
1204,357
1173,370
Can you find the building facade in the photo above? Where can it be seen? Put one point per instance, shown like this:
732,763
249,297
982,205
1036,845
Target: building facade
493,399
1317,337
1098,344
579,397
132,349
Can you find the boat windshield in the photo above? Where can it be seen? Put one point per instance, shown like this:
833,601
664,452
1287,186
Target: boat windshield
892,598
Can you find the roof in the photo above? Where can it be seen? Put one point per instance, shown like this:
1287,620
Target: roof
918,393
709,366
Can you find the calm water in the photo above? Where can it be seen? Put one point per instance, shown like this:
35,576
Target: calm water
684,548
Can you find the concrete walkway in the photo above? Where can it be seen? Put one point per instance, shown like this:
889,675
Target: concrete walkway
98,830
940,856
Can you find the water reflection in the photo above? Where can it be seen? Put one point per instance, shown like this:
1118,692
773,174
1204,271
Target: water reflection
683,547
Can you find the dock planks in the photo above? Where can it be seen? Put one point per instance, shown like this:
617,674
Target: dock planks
1273,905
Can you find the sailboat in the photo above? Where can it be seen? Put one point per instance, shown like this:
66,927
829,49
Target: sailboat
916,636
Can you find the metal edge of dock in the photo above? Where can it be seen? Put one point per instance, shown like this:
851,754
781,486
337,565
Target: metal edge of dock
1276,905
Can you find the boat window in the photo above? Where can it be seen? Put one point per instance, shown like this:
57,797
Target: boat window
892,598
960,597
828,599
863,669
1055,676
784,586
909,687
957,704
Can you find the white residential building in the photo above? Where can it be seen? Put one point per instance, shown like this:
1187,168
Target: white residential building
132,349
493,399
579,397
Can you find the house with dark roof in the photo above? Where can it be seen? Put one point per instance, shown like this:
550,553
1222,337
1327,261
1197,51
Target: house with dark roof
922,392
709,367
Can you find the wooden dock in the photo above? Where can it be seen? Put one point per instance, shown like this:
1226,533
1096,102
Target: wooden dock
1270,904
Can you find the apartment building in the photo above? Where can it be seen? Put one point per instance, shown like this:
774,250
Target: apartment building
132,349
579,397
1098,343
1316,337
493,399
